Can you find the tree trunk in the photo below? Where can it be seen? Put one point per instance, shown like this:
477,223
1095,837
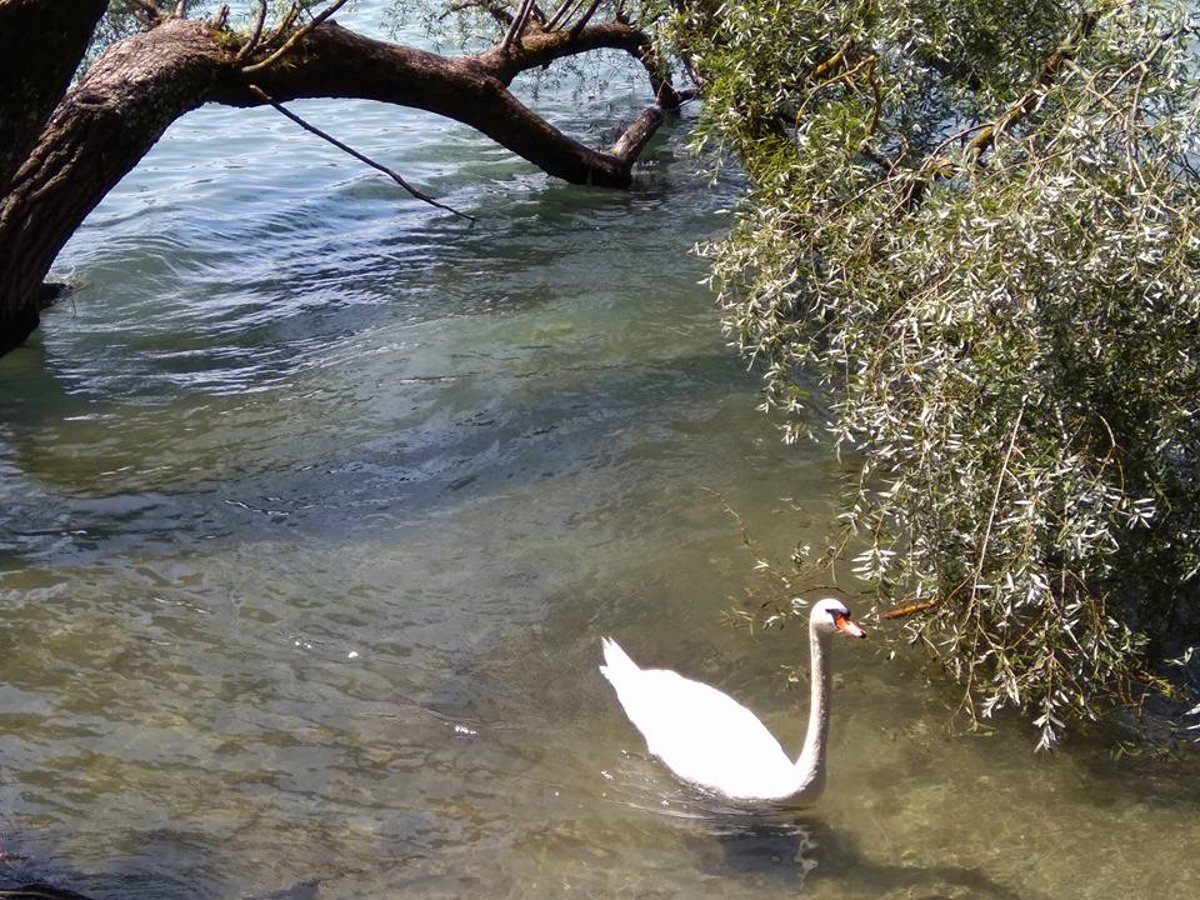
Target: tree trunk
97,134
63,159
40,47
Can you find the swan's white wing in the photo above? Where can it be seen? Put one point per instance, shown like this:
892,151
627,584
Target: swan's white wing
704,736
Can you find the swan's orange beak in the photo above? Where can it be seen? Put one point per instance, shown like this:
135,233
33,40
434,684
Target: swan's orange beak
845,626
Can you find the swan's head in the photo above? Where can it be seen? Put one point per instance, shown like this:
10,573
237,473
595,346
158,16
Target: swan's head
830,616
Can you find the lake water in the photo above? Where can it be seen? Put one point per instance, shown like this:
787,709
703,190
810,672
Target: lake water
316,502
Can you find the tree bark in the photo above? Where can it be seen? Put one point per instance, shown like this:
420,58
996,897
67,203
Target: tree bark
335,62
40,47
66,160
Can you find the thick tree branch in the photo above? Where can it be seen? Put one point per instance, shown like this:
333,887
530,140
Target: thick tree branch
914,185
541,47
332,61
99,131
634,139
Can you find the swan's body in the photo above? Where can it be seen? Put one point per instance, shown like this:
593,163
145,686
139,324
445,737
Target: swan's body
709,739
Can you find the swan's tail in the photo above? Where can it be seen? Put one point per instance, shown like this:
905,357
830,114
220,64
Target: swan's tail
616,661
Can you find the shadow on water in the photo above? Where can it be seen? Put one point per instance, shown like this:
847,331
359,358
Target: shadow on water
801,853
1167,777
797,850
798,854
842,861
782,851
542,430
31,868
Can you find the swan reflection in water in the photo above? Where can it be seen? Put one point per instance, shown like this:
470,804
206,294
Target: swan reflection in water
786,846
731,839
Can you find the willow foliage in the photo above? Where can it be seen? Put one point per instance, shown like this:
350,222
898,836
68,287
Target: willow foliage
976,223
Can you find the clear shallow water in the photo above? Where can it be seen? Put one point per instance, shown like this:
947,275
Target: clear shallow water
315,505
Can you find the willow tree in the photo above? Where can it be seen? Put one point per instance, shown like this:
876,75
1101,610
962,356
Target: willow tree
71,127
972,235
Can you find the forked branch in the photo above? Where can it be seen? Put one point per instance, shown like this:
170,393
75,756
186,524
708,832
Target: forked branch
297,35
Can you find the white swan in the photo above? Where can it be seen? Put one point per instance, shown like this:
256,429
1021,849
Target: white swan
709,739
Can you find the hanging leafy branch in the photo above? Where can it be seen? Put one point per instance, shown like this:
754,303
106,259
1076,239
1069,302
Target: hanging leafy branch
973,227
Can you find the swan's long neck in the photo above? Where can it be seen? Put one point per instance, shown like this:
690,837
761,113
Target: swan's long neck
810,767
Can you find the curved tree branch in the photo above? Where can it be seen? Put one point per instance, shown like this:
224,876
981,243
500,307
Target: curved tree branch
634,139
986,137
541,48
103,127
332,61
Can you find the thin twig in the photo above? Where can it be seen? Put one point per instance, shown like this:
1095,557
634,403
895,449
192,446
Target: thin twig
296,36
910,609
517,26
285,26
249,46
564,10
150,9
396,177
987,532
498,12
585,18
